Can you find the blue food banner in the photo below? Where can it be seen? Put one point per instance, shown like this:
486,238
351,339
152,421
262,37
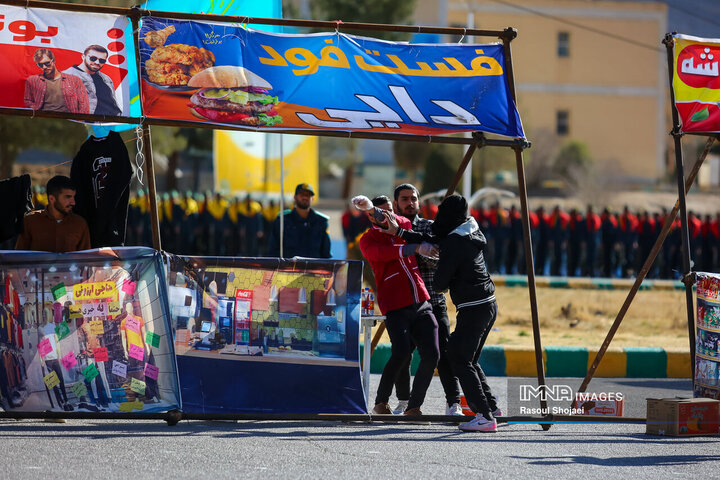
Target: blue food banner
227,74
86,332
261,335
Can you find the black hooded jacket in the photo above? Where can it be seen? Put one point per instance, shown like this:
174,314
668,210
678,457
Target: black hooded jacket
462,268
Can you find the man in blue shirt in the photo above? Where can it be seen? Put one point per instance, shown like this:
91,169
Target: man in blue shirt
305,231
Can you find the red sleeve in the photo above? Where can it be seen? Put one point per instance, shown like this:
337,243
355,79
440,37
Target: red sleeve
377,251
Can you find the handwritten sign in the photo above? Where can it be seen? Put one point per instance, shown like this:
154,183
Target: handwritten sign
69,360
79,389
95,309
96,327
129,287
137,386
62,330
137,352
44,347
152,339
90,372
75,311
151,371
51,380
59,291
132,323
94,291
119,369
130,406
113,309
100,354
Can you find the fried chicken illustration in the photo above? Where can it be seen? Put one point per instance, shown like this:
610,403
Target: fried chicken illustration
174,64
157,38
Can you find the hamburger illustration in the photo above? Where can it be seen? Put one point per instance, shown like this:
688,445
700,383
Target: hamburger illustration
230,94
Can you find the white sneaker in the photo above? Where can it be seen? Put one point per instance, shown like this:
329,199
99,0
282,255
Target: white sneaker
401,406
479,424
455,409
498,413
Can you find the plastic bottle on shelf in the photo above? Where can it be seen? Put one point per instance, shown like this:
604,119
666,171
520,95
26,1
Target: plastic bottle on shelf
363,302
370,302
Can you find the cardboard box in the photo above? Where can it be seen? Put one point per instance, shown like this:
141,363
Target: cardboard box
613,408
682,416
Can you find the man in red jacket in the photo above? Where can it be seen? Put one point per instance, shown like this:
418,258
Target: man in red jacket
403,299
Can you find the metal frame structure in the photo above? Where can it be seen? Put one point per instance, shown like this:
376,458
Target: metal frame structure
477,140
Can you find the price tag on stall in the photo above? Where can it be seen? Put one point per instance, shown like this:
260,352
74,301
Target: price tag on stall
62,330
44,347
97,327
58,290
152,339
129,287
79,389
137,386
51,380
69,360
119,369
100,354
137,352
151,371
90,372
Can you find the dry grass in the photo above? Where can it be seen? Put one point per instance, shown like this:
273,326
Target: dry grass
583,317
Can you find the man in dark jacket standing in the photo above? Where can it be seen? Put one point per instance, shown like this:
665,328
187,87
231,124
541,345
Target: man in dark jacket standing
462,269
305,230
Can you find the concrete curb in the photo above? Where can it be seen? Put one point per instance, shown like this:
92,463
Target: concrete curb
628,362
589,283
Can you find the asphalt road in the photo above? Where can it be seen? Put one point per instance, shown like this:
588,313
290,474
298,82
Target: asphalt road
300,449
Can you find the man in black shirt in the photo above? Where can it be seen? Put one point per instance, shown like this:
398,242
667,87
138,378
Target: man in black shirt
100,88
305,229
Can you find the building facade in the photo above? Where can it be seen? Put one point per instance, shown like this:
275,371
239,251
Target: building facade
587,71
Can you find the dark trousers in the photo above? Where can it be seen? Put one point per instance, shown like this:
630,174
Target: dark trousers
405,326
466,342
447,378
60,393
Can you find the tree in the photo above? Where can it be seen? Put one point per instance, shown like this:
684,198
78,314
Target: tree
441,165
368,11
410,156
573,162
20,133
540,157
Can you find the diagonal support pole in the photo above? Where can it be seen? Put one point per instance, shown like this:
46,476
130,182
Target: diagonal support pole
644,270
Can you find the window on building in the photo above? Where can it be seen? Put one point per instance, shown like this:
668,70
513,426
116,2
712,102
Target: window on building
563,45
562,122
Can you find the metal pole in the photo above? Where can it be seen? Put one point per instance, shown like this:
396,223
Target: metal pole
527,236
330,25
643,272
467,174
150,173
282,198
147,145
463,165
529,262
677,137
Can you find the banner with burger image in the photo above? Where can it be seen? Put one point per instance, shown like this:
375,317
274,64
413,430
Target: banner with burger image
181,59
228,74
